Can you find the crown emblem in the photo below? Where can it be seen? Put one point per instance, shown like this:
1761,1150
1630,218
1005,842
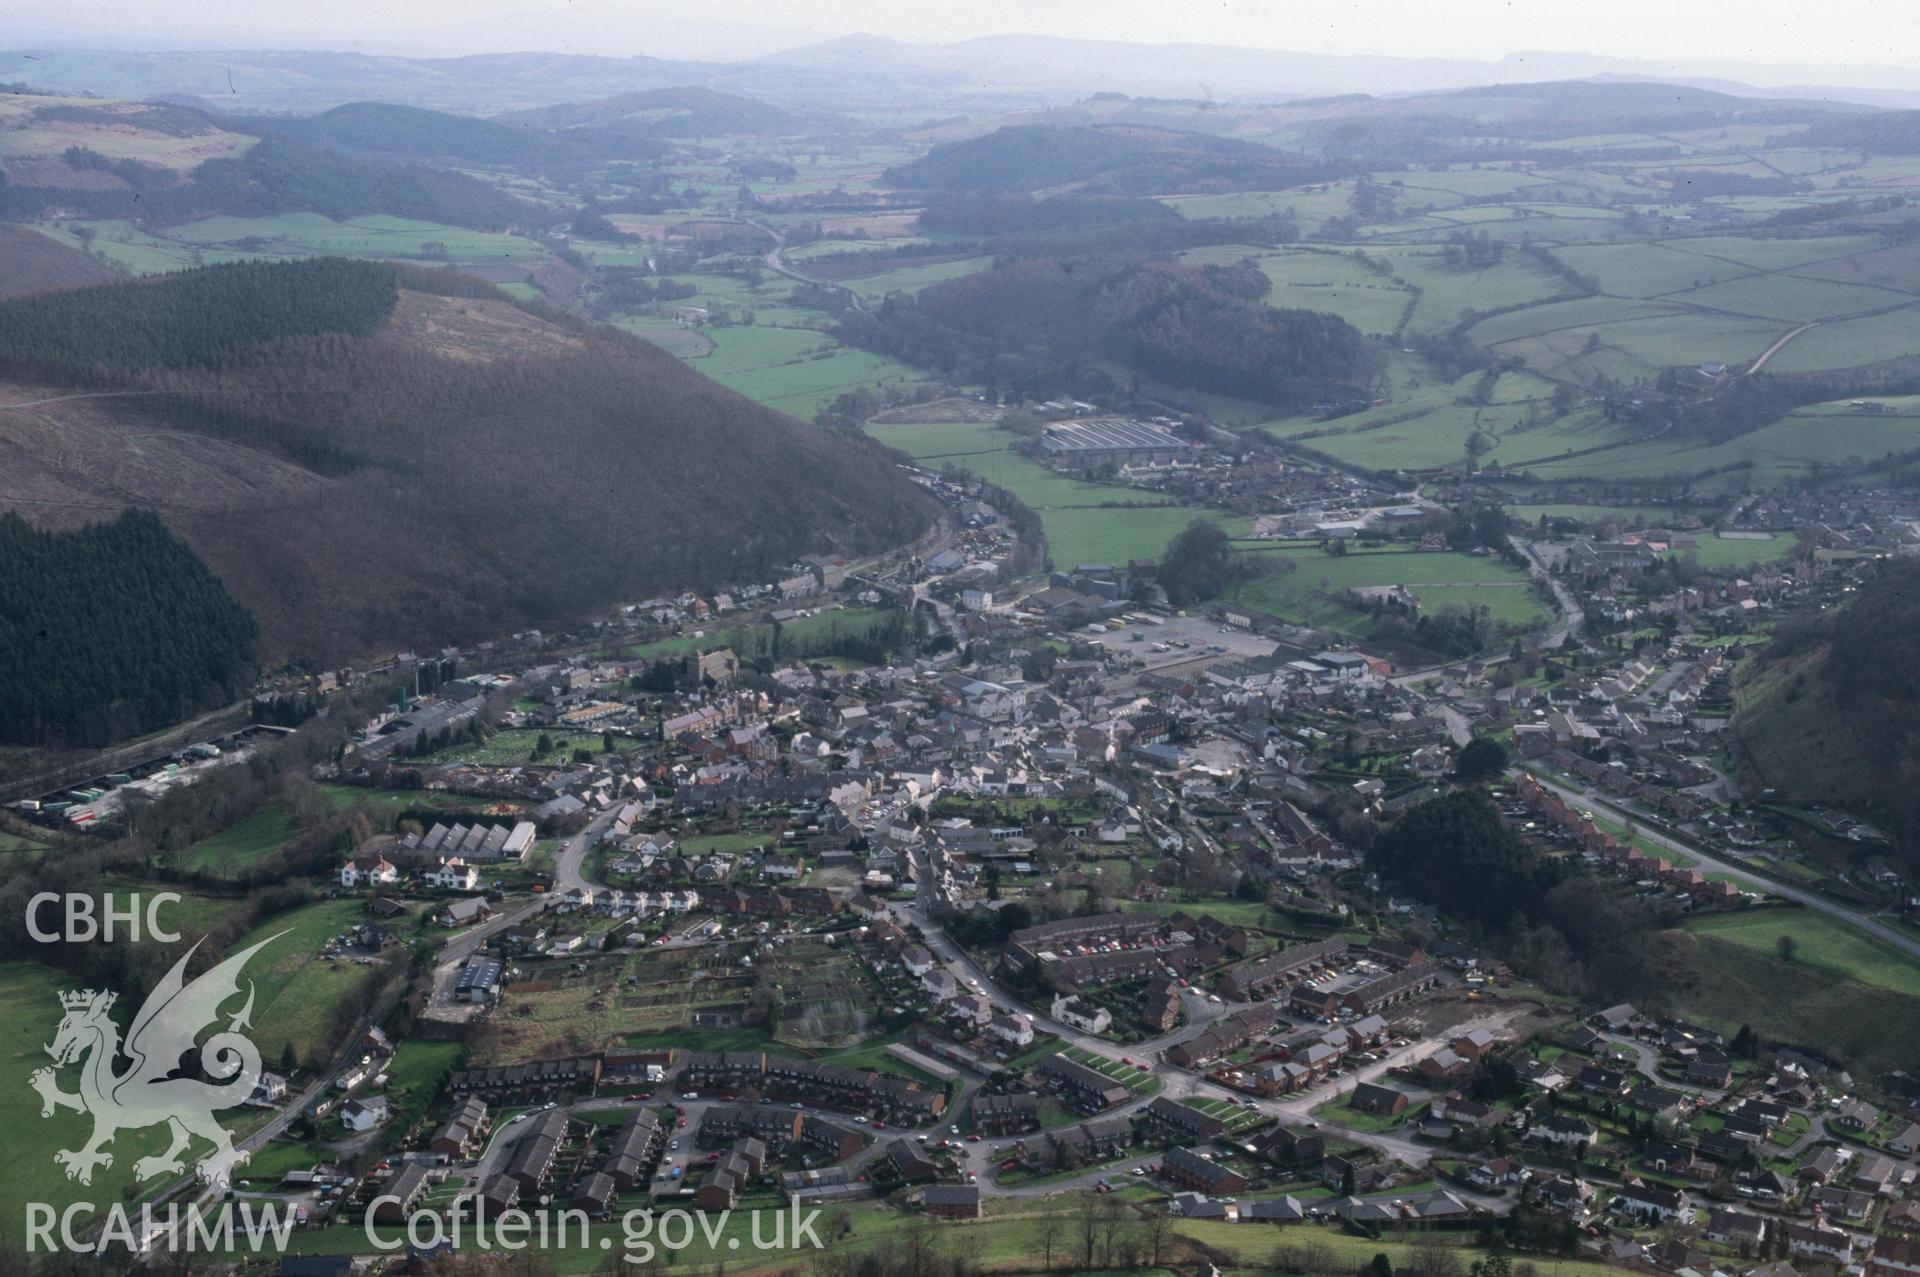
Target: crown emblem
81,999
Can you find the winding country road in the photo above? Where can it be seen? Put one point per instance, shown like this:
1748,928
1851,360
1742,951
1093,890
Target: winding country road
777,263
1572,616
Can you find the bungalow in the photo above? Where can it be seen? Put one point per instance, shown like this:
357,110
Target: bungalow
1200,1206
1595,1079
1715,1072
1502,1172
1855,1115
1824,1164
1763,1186
1274,1210
1380,1101
464,913
1876,1173
1616,1019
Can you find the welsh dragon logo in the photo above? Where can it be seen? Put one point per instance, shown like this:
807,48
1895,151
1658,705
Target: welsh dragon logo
160,1087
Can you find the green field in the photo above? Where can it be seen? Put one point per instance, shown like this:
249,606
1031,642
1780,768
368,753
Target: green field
386,804
516,745
1792,447
797,370
1777,254
1851,343
1084,522
1792,298
1323,281
221,239
757,639
30,1005
1448,290
1647,270
1307,594
1733,552
1651,515
1841,991
296,991
1822,942
294,999
234,850
1426,423
911,279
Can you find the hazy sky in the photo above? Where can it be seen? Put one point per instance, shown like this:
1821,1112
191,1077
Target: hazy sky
1858,33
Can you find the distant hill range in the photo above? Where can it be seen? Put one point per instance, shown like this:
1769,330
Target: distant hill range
166,163
866,71
370,456
1109,159
631,126
658,113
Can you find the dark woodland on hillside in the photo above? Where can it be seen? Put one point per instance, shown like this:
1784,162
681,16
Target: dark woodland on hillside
111,631
456,499
1036,326
196,316
1833,704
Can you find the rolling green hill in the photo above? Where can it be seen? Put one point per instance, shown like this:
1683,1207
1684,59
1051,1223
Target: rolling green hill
411,132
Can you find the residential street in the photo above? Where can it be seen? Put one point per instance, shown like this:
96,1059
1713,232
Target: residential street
1709,863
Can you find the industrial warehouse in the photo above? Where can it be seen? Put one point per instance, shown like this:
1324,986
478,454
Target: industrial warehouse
1112,441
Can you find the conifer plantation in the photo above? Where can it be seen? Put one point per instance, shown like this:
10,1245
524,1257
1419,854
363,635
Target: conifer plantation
112,630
